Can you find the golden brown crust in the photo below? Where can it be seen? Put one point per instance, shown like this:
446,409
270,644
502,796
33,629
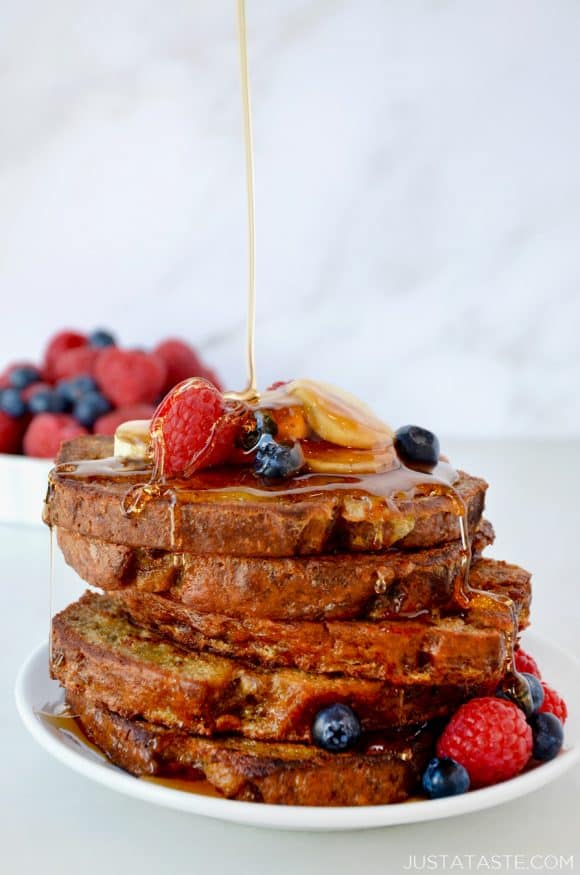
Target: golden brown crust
133,672
274,773
224,523
375,586
428,649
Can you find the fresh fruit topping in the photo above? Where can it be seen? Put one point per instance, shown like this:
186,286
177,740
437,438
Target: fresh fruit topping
526,664
445,777
515,688
110,422
323,458
536,691
553,704
133,440
74,362
41,398
12,403
417,446
339,417
336,728
60,343
255,426
548,736
193,428
291,423
275,460
11,431
21,377
490,737
47,431
100,339
183,362
89,407
129,376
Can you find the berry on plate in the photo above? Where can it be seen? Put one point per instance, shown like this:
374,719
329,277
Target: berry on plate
100,339
527,664
193,428
90,407
129,376
12,402
24,375
553,704
548,735
336,728
41,398
490,737
47,431
445,777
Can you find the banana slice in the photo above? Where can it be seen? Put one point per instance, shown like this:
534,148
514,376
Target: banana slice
325,459
339,417
132,440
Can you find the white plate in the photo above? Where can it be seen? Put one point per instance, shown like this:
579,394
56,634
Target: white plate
34,690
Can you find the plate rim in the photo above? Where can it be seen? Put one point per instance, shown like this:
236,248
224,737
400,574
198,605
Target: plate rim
290,817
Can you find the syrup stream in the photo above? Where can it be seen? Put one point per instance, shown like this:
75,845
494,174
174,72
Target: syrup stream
250,393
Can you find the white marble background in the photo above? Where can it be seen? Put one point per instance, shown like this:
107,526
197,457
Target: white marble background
418,193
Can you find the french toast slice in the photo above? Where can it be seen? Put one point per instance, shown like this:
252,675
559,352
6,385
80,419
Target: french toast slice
337,587
134,672
426,649
221,511
253,771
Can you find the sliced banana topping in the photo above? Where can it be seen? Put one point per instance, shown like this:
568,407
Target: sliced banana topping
323,459
339,417
132,440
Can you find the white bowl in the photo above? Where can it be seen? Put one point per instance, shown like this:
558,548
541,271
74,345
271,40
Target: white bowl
23,484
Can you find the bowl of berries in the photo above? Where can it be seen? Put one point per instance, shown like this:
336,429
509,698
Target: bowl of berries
82,384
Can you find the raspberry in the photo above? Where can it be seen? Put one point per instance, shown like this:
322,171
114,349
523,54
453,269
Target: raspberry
109,423
47,431
527,663
182,362
490,737
10,433
74,362
60,343
194,428
129,376
554,704
277,385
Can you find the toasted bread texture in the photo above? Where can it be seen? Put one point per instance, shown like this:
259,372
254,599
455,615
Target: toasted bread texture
426,649
271,772
374,585
227,512
135,673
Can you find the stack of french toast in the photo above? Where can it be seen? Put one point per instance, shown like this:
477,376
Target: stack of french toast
293,639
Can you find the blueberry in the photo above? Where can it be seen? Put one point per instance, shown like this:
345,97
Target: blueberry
46,401
536,691
259,424
89,407
277,460
22,377
11,403
516,689
336,728
100,339
73,389
445,777
548,734
417,446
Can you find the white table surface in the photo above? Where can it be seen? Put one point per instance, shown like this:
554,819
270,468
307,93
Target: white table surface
54,821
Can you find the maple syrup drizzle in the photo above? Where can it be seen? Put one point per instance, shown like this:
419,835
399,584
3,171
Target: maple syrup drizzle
52,530
250,393
61,718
